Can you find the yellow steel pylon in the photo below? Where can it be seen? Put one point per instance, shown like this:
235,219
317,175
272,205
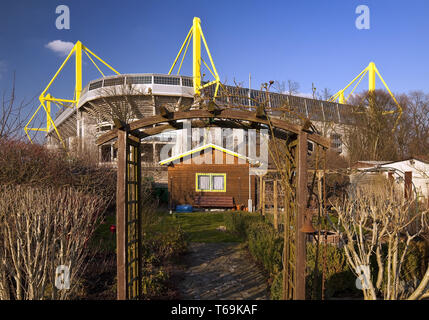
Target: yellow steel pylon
197,34
372,71
46,99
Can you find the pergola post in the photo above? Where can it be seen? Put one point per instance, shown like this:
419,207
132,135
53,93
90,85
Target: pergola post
128,217
121,191
301,207
276,213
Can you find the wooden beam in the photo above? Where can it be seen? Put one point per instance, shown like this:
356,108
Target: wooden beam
260,112
164,112
227,114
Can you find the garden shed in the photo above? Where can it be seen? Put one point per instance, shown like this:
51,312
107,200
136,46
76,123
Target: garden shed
411,174
210,176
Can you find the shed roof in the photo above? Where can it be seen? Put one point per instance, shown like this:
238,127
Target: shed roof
368,164
420,159
206,146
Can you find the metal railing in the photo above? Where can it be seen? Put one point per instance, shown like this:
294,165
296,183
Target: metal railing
316,110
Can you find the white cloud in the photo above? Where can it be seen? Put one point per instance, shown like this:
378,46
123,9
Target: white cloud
61,47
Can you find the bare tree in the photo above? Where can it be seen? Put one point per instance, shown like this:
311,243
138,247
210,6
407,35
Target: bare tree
416,120
117,104
13,115
371,134
293,87
280,86
325,94
379,224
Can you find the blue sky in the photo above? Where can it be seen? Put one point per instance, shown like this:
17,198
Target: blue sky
306,41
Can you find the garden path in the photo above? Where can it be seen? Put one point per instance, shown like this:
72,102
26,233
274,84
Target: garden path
221,271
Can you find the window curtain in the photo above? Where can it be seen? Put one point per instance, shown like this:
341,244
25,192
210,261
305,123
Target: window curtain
204,182
218,182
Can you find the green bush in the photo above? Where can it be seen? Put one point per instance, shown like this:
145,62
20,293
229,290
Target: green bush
413,267
276,289
266,247
339,279
416,261
158,249
154,282
238,222
264,243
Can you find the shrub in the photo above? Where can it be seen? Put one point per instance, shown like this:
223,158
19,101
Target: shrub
154,282
266,247
159,248
50,206
264,243
40,229
23,163
413,268
416,261
339,279
238,222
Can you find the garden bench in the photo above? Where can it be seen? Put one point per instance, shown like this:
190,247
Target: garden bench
214,201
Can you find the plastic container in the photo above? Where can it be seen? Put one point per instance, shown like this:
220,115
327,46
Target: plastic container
184,208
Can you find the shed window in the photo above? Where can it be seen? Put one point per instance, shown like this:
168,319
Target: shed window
218,183
210,182
106,153
204,182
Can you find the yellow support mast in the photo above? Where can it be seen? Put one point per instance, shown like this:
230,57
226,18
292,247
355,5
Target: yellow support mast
371,77
197,35
372,72
46,98
196,54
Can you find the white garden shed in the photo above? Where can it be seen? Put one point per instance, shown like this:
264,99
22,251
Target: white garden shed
413,173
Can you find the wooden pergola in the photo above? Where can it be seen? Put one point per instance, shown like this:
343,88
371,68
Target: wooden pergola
128,211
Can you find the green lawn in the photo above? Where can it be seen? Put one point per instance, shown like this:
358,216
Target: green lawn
200,226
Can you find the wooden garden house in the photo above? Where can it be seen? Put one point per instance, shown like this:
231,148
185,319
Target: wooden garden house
210,176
